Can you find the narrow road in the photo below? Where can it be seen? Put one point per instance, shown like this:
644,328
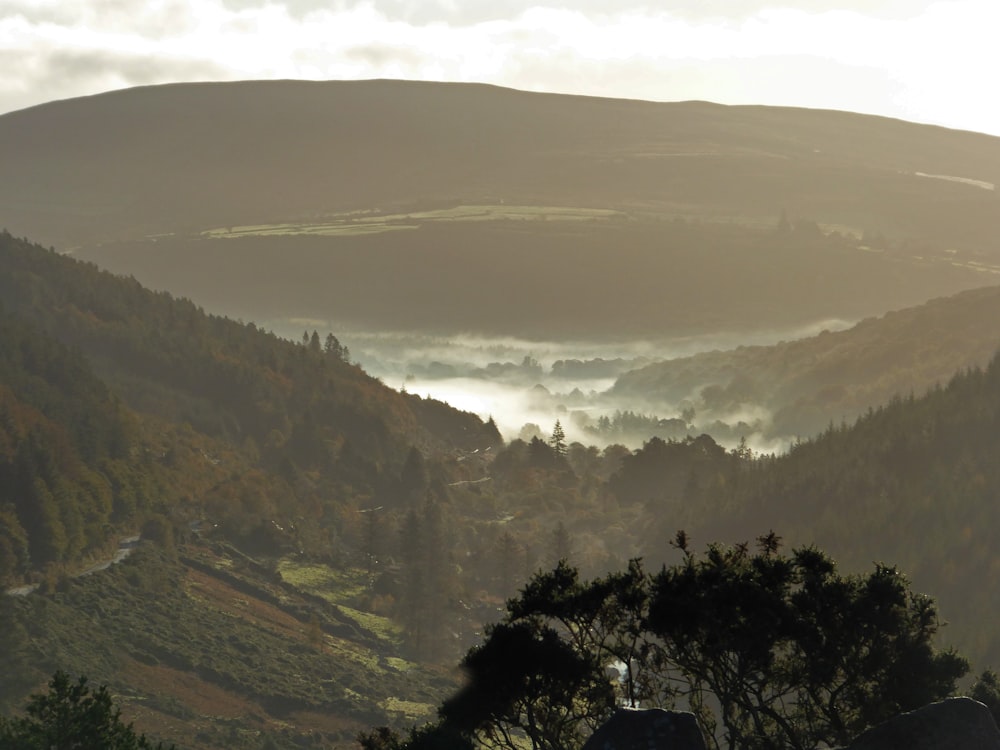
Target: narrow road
126,545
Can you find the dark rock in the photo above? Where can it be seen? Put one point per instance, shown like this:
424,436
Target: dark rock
650,729
953,724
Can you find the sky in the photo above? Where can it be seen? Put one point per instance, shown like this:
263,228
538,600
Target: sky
935,62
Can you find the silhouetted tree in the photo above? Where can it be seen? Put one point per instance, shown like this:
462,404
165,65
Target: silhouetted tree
527,678
769,650
793,654
71,717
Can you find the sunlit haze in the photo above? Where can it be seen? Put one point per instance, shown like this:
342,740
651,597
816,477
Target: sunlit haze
934,62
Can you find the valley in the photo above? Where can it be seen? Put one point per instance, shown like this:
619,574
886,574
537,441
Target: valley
361,360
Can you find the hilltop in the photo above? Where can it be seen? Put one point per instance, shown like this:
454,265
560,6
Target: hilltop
291,199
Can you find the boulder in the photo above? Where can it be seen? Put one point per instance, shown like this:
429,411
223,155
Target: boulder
952,724
647,729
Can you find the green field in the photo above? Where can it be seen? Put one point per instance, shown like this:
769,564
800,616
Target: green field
336,586
359,223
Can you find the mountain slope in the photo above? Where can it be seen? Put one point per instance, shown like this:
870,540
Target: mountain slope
280,412
912,484
228,379
185,156
217,440
802,386
62,438
400,205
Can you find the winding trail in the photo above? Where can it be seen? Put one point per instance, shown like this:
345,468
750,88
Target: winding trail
126,545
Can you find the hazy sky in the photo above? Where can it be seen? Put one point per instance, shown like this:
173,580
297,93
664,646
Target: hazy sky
928,61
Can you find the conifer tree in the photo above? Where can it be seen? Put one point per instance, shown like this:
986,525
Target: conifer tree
71,716
558,439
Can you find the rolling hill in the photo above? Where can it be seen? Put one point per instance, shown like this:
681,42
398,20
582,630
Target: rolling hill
399,205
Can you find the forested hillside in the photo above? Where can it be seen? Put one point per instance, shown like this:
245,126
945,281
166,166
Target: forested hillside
280,410
242,460
317,549
911,483
65,474
801,386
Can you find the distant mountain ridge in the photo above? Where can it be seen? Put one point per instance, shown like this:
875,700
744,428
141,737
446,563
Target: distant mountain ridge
187,156
393,205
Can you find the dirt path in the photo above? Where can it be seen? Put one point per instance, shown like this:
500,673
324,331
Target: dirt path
126,545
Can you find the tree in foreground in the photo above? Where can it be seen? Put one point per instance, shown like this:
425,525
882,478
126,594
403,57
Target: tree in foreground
790,653
768,650
526,681
71,716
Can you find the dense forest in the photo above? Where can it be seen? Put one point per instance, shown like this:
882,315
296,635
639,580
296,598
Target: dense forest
79,458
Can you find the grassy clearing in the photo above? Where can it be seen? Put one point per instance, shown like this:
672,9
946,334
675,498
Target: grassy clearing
335,586
322,230
384,628
410,710
355,223
400,665
509,213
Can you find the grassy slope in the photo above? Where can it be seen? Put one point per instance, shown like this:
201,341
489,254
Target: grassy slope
568,279
210,650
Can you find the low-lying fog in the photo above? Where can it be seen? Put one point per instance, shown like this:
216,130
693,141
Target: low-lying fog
525,386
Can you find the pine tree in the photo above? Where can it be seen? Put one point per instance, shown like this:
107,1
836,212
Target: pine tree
558,439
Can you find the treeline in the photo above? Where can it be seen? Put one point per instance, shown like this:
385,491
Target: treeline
446,555
226,378
799,384
914,481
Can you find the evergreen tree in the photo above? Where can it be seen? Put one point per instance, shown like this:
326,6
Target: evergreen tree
71,717
562,544
558,440
414,478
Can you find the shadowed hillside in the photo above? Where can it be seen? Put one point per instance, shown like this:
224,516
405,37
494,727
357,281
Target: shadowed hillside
179,157
388,204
